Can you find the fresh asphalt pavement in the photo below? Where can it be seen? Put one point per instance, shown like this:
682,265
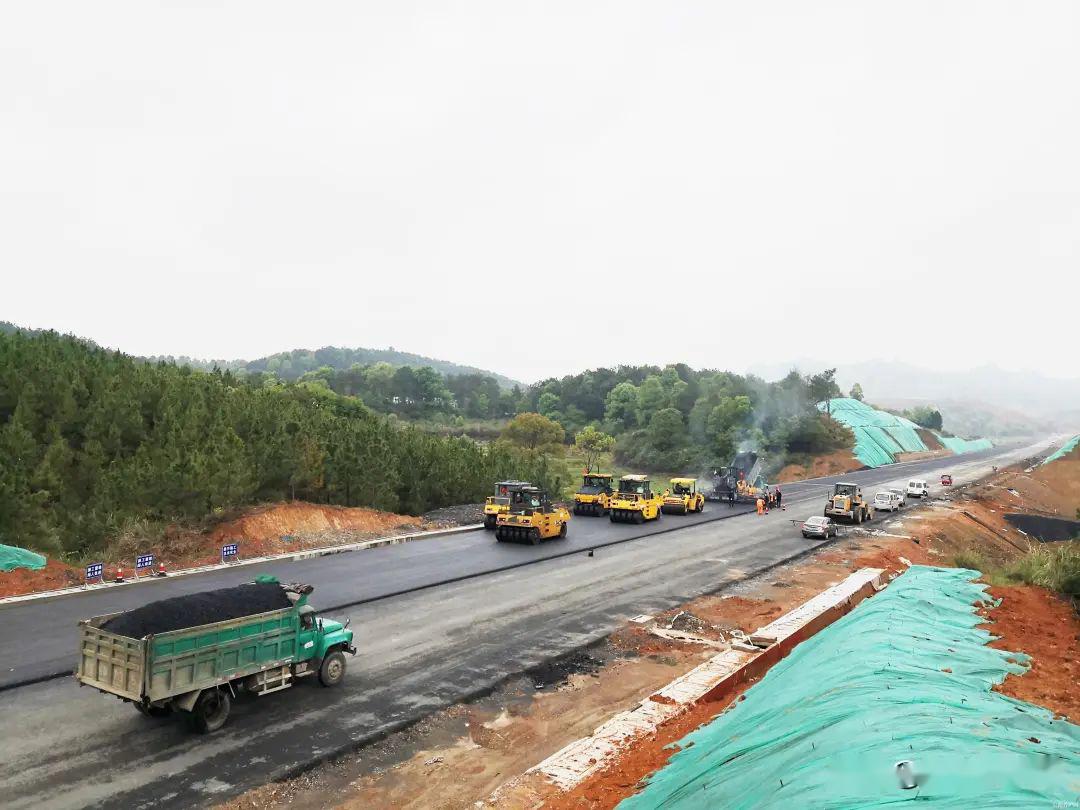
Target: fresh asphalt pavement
425,647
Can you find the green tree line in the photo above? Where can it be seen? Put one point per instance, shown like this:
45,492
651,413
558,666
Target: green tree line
678,418
91,439
416,393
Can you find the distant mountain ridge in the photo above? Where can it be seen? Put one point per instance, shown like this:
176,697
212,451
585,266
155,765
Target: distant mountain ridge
294,364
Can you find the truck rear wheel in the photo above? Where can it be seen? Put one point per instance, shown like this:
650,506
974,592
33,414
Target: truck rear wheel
211,710
332,670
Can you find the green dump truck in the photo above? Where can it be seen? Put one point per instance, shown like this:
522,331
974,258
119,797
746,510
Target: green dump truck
192,654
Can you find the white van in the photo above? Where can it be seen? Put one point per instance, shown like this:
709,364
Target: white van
918,489
886,502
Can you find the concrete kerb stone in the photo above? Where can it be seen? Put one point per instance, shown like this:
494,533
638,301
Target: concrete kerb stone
709,681
308,554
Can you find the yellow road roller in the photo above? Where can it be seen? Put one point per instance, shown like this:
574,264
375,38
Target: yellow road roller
594,496
683,497
506,492
635,502
531,520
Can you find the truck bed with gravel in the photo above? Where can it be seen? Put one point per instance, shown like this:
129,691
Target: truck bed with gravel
192,654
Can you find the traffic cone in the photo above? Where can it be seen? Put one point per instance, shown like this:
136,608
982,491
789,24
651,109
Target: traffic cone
119,575
161,572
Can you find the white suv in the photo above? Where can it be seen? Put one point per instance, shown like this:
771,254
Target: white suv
901,494
918,489
886,502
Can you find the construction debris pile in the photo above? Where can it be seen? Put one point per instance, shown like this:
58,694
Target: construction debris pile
892,702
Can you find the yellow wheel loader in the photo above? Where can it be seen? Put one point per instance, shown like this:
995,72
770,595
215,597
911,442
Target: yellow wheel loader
847,502
532,519
506,494
635,502
683,497
594,497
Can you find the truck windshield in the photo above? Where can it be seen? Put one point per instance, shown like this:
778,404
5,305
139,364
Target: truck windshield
632,486
681,489
594,481
845,489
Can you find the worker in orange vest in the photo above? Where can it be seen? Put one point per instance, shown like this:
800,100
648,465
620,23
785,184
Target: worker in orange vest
760,506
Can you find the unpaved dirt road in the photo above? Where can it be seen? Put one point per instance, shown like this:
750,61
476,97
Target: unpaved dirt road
420,650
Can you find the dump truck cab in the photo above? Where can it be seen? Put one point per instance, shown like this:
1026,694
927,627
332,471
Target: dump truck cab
507,494
683,497
594,496
531,518
846,501
635,501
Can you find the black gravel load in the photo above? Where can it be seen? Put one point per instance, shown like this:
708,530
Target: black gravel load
196,609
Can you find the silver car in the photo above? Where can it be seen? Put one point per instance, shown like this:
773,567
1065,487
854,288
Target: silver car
902,493
819,526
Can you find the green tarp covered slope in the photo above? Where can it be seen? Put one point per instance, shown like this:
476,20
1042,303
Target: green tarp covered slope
12,558
907,675
880,436
960,446
1064,450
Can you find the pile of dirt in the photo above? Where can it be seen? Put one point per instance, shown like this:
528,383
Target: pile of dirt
53,576
465,514
196,609
261,532
268,530
836,463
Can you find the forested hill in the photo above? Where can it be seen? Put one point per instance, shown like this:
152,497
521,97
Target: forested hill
92,441
679,418
292,365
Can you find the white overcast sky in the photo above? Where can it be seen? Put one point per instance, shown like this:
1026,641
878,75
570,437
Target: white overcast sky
539,188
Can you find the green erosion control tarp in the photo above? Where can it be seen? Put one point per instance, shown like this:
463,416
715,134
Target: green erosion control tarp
1064,450
959,446
880,435
904,676
12,558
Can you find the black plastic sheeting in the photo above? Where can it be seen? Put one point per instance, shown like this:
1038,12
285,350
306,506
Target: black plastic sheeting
1046,529
196,609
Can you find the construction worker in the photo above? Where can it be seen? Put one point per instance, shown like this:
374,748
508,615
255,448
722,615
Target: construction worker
760,505
779,497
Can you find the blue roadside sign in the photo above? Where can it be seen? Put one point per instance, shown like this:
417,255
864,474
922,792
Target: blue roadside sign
95,571
144,561
230,550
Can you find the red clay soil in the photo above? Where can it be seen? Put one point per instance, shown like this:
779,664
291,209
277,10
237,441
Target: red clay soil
929,439
624,776
1034,621
841,461
262,531
53,576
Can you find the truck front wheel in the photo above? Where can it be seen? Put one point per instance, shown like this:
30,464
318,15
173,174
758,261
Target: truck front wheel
332,671
211,710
